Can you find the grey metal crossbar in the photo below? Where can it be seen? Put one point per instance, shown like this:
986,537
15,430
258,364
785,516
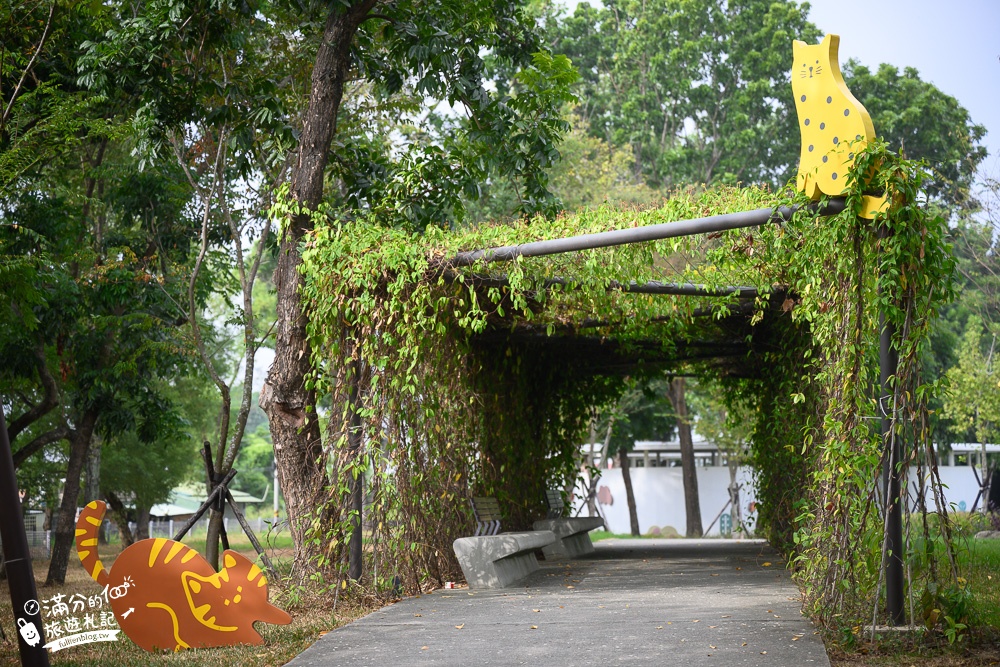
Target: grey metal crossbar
487,512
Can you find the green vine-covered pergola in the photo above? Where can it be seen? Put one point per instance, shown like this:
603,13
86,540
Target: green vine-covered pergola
449,378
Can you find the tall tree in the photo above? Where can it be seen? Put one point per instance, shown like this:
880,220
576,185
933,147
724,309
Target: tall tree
435,50
230,140
639,414
698,90
973,405
676,392
729,424
100,240
917,118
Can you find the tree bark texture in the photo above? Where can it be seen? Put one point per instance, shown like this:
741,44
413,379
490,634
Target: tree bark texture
65,528
633,516
289,405
119,516
692,505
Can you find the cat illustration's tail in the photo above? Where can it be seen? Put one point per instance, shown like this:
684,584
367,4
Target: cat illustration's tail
871,206
86,540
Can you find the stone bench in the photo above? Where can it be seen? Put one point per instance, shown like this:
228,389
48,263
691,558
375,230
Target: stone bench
498,561
572,539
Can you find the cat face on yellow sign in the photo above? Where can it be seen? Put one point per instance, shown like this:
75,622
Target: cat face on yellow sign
165,596
833,124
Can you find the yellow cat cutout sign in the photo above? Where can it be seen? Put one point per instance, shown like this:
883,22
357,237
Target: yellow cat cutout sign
165,596
834,125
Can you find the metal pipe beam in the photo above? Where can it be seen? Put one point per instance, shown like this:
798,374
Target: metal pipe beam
667,230
650,287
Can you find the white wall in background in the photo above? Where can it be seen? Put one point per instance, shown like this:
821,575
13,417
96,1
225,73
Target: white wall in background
659,496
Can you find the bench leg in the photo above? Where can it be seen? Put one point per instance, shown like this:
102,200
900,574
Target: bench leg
572,546
481,572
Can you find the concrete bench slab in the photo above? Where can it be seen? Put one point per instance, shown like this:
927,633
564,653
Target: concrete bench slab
499,561
572,539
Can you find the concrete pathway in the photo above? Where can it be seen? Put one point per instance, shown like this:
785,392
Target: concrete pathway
633,602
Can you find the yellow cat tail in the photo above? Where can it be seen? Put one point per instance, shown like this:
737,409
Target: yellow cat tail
86,540
872,206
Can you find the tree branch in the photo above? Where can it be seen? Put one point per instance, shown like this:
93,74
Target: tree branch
27,70
50,400
61,432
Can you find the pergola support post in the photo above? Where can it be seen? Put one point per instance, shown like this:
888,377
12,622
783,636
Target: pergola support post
357,483
892,471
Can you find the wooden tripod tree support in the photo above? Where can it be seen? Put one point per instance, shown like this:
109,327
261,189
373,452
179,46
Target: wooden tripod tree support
217,500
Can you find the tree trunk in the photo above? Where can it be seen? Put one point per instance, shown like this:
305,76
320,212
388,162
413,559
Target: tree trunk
633,517
119,516
588,471
289,405
65,529
734,497
692,505
92,472
141,523
92,482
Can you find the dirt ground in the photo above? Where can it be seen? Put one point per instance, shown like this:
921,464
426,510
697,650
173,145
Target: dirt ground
979,655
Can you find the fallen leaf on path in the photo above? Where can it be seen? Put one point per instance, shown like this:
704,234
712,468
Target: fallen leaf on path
536,610
569,586
534,627
659,627
423,648
696,621
418,615
710,646
459,627
767,564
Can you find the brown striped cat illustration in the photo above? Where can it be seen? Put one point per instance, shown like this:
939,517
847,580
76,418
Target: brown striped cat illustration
834,125
165,596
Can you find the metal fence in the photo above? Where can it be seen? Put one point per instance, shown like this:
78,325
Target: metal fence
40,541
261,527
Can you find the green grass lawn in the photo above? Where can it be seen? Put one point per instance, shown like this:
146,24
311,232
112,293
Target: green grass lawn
979,563
979,566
